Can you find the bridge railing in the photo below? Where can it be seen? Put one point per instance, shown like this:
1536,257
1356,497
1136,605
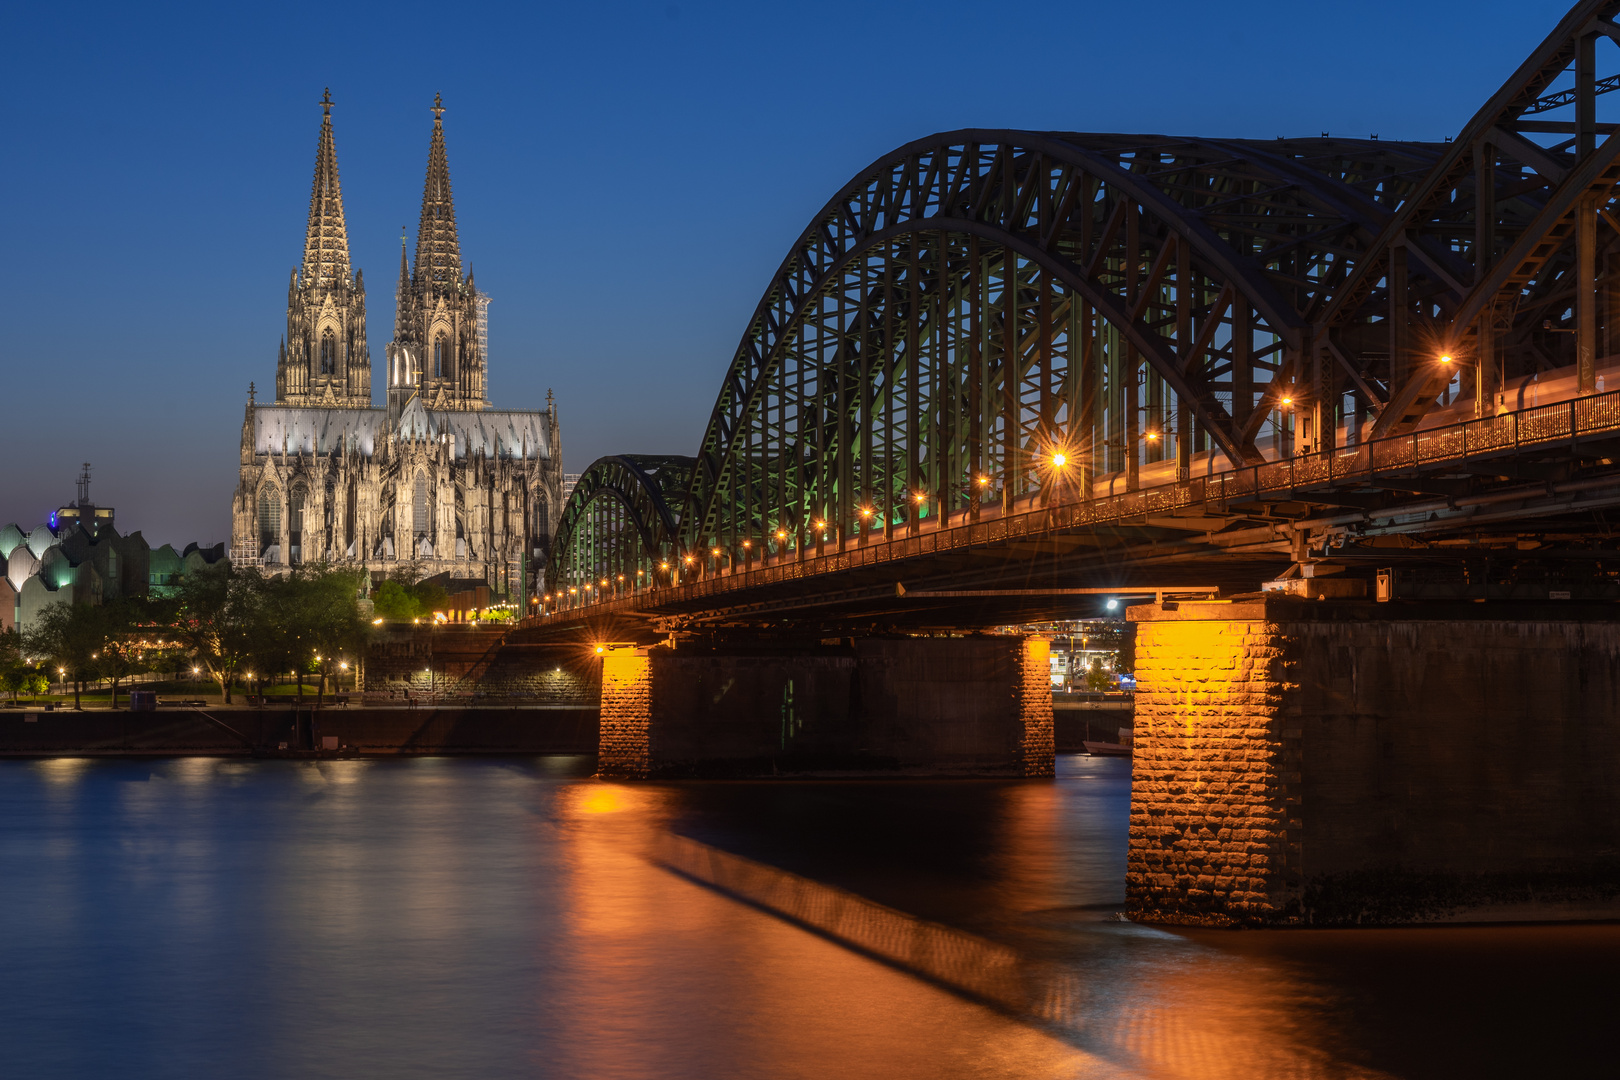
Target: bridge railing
1491,436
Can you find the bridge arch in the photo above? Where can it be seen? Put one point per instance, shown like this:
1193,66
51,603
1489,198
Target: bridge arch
974,304
975,301
620,519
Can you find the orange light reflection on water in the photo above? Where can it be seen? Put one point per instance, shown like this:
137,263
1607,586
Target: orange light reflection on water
662,970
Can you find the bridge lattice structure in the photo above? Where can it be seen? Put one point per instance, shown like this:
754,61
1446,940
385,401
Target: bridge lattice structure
1000,330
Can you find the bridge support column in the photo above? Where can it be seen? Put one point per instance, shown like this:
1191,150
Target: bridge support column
931,706
1333,762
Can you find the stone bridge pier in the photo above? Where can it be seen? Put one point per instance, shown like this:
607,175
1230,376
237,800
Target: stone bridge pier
1342,762
979,705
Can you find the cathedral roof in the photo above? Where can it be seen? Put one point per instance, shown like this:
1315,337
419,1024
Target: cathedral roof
438,249
494,432
326,243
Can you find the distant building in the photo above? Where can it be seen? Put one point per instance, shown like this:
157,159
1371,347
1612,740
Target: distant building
436,478
78,557
166,566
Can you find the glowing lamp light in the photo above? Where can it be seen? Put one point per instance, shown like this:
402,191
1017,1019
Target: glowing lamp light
1445,359
196,671
781,534
1060,459
689,560
600,650
1287,401
748,543
866,511
1153,436
663,566
344,665
714,551
1112,604
984,481
821,524
919,498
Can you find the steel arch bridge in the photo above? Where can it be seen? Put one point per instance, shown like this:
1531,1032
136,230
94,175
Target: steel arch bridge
986,321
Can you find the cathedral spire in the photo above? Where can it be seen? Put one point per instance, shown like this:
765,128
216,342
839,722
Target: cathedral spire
324,358
326,244
438,251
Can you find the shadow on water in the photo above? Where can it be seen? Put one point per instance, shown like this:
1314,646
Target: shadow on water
1010,894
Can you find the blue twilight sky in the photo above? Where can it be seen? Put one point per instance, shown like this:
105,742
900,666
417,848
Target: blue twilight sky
627,176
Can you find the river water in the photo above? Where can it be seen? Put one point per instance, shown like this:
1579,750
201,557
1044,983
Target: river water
514,918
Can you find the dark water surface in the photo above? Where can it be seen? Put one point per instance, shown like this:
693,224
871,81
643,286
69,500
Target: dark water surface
494,918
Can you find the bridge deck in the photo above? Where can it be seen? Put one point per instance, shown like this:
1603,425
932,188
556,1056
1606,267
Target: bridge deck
1436,478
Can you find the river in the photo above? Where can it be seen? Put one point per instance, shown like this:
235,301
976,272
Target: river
444,917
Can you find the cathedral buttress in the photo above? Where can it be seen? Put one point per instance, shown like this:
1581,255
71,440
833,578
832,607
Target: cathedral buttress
324,360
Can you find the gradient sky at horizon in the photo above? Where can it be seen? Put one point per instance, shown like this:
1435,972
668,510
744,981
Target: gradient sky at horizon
627,177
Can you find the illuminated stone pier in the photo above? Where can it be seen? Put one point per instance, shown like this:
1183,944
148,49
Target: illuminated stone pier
937,706
1333,762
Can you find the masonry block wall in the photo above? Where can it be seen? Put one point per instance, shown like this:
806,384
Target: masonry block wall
1036,754
481,664
625,714
934,705
1323,762
1209,832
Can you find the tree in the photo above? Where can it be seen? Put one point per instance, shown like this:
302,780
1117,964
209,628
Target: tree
135,631
219,613
304,617
12,667
327,602
400,601
70,636
118,657
395,602
1098,679
32,683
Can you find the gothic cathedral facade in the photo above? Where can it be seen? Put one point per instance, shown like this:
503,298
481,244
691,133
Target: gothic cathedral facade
436,480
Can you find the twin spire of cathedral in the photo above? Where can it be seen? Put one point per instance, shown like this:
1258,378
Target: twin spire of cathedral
437,352
438,251
326,243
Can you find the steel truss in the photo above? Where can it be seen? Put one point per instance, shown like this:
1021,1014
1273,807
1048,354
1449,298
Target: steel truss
975,303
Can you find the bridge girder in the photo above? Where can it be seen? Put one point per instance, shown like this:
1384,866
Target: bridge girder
976,301
617,518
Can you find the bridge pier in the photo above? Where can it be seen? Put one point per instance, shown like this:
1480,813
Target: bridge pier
936,706
1337,762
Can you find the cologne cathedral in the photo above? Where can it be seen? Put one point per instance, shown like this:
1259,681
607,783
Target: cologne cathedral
436,480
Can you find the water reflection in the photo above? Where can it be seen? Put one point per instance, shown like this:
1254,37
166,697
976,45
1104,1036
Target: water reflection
199,917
